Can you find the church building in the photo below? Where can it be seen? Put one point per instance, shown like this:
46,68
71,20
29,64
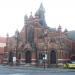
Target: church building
37,43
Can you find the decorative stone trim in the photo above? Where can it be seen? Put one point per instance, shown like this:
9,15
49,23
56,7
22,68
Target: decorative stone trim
62,59
33,63
33,59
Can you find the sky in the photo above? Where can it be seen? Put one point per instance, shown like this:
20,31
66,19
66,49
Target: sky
56,12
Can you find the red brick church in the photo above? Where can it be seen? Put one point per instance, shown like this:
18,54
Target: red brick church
37,43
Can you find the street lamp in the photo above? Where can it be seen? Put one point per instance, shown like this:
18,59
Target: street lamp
45,56
45,47
6,50
17,42
36,54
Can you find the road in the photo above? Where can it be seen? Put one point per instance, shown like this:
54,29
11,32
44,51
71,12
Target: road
8,70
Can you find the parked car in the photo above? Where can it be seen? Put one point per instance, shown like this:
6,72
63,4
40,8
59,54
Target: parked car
70,64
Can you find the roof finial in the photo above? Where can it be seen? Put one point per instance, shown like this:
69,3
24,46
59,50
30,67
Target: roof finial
31,15
7,35
59,28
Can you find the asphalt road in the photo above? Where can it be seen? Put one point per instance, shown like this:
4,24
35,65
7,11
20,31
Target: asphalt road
8,70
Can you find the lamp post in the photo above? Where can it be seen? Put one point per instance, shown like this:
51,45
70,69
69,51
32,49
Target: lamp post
6,50
45,56
17,42
36,54
45,47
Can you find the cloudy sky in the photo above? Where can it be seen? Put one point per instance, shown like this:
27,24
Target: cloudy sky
57,12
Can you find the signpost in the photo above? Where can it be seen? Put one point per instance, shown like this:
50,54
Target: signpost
44,59
14,60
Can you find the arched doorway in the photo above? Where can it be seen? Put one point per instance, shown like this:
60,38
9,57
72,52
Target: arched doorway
53,57
10,57
18,58
72,58
28,56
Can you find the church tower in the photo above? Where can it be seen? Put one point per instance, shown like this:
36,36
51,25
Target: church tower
40,13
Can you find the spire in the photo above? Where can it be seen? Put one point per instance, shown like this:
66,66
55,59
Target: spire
16,34
59,28
42,8
40,13
7,40
31,15
25,19
7,35
65,30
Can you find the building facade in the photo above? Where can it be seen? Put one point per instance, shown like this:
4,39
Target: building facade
37,43
2,48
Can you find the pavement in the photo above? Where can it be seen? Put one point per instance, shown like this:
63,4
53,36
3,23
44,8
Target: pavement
39,69
22,70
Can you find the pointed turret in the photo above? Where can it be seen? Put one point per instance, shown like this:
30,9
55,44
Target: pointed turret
7,39
59,28
31,17
40,10
25,19
65,30
40,13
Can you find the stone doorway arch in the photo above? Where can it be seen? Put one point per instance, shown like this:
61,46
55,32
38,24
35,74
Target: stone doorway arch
10,60
72,58
53,57
28,56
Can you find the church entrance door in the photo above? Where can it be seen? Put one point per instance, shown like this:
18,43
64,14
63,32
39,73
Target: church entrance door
28,56
53,57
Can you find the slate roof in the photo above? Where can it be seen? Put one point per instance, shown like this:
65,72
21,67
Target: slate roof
70,35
